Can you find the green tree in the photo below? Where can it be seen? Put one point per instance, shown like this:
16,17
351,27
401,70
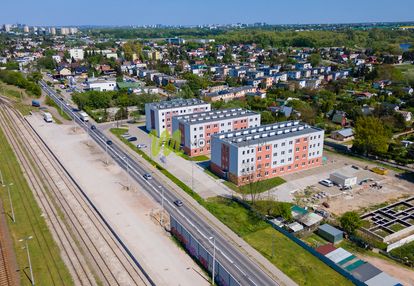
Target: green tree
370,136
315,59
185,92
170,88
350,222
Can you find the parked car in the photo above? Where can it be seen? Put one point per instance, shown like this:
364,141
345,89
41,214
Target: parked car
93,127
140,146
109,142
132,139
178,203
147,176
327,183
326,205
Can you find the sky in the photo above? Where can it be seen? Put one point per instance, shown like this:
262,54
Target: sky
193,12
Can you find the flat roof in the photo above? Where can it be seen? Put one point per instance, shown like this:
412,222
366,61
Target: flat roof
365,272
325,249
265,133
383,279
177,102
330,229
215,115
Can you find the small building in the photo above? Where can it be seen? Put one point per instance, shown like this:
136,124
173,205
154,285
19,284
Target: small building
343,180
295,227
330,233
345,134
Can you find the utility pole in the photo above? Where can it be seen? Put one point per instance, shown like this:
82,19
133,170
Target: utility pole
10,201
26,239
214,259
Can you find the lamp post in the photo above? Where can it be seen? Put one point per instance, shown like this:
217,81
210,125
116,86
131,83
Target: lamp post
214,258
26,239
10,200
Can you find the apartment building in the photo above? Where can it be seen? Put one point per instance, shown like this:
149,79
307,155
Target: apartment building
267,151
196,129
77,54
159,114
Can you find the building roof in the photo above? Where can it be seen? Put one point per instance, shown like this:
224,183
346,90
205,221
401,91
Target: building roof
310,219
365,272
383,279
325,249
177,102
127,85
330,229
260,134
295,226
215,115
338,255
347,132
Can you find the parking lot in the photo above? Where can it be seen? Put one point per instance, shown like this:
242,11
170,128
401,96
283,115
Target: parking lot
371,189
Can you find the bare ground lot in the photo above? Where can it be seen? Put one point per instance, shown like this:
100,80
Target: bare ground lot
129,212
359,198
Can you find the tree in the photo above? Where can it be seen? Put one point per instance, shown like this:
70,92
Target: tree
350,222
370,136
315,59
170,88
185,92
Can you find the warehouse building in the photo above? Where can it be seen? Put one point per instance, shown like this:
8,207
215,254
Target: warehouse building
330,233
159,114
196,129
267,151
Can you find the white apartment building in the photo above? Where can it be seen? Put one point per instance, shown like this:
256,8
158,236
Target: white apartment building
101,84
196,129
77,54
159,114
267,151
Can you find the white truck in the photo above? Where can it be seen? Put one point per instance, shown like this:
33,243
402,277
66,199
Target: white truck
47,117
84,116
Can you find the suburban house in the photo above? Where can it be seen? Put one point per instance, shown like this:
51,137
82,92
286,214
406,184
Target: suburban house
345,134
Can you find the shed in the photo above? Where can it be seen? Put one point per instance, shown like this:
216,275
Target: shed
295,227
338,255
343,134
383,279
330,233
365,272
310,219
325,249
343,180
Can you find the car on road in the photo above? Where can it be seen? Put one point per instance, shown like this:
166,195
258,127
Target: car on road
75,109
178,203
93,127
132,139
140,146
108,142
326,183
147,176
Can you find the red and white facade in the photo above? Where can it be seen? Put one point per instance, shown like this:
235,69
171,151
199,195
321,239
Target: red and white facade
266,151
196,129
159,114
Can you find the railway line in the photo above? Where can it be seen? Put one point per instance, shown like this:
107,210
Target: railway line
100,254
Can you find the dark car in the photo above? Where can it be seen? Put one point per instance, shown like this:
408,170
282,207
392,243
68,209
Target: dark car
93,127
147,176
131,139
109,142
75,109
178,203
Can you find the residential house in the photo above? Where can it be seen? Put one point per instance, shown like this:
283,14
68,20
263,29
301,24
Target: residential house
346,134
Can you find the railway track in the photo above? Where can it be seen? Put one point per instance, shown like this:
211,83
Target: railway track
6,277
81,225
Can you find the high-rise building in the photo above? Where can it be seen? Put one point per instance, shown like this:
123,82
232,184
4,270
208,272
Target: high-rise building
53,31
26,29
73,30
7,27
267,151
196,129
159,114
64,31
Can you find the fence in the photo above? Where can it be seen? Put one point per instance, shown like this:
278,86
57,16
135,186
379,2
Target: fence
201,254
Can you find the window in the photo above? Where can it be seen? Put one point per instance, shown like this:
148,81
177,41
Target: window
267,165
267,147
275,146
200,128
282,161
195,128
248,151
289,159
274,162
259,158
283,152
305,139
297,158
259,149
267,156
244,152
290,142
275,154
290,150
304,156
289,167
304,147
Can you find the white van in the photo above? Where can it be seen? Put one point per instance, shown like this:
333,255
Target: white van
47,117
327,183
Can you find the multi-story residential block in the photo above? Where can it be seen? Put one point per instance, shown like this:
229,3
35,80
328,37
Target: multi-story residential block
267,151
77,54
196,129
159,114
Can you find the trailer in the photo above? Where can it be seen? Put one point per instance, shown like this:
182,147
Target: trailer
84,116
47,117
343,180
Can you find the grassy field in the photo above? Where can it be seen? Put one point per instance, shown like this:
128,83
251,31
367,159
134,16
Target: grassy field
407,70
17,95
297,263
48,266
259,187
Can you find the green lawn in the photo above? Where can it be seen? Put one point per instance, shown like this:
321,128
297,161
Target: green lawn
293,260
259,187
407,70
48,266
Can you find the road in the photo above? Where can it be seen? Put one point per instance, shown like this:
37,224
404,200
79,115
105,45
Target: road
242,268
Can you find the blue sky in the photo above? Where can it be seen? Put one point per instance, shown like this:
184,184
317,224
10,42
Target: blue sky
191,12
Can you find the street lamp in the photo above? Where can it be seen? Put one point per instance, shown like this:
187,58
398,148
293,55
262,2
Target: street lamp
26,239
214,258
10,200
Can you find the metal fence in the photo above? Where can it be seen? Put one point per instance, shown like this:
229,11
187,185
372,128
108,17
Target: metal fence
201,254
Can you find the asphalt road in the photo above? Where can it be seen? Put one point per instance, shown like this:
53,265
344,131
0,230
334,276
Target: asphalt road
242,268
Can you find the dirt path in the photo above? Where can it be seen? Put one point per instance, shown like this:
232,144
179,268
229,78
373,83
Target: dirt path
404,275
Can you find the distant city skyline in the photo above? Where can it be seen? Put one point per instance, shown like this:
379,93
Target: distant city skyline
184,12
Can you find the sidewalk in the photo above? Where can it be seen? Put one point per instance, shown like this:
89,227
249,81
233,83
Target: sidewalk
233,238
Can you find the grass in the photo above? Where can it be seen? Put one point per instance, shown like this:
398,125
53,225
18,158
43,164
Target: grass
407,70
51,103
293,260
397,227
259,187
48,266
297,263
